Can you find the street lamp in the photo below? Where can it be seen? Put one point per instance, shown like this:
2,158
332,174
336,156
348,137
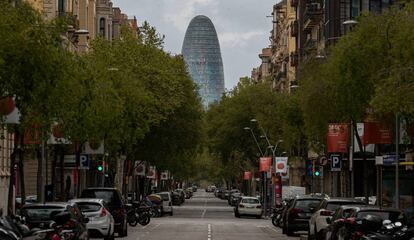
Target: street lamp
255,139
350,22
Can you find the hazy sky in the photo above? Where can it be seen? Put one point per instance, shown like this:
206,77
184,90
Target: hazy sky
242,27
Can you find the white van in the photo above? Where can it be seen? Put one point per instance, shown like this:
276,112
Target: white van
166,202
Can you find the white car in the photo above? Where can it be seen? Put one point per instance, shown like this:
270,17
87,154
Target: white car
248,206
318,221
101,223
167,206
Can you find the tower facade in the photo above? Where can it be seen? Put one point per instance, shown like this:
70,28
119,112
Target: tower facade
202,55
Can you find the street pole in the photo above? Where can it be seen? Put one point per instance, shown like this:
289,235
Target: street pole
43,180
351,162
397,161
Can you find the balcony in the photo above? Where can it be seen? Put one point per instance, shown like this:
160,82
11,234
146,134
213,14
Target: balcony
294,28
313,15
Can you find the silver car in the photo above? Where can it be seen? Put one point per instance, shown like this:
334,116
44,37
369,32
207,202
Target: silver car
101,223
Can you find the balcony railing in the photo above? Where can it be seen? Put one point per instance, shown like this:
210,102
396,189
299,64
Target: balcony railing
313,15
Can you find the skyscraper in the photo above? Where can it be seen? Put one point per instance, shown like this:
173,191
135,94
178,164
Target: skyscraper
201,51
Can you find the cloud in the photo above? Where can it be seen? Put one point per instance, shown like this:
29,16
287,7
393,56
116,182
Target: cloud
237,39
183,11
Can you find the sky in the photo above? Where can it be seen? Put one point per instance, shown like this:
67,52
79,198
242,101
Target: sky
242,27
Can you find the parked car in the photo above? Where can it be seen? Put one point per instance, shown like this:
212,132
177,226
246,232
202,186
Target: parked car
101,223
328,206
176,198
249,206
188,193
181,192
30,199
195,188
351,227
226,194
41,216
299,213
231,192
220,193
115,205
235,198
167,202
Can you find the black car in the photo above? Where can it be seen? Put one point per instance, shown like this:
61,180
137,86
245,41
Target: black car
41,215
353,226
115,203
231,193
298,214
182,194
337,221
176,198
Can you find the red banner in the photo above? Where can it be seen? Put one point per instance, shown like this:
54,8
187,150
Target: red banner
247,175
265,163
338,137
376,133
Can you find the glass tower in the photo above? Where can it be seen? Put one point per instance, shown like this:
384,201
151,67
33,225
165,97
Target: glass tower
201,51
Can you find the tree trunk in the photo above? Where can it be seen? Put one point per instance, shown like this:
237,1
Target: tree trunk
21,169
54,165
11,200
63,196
39,175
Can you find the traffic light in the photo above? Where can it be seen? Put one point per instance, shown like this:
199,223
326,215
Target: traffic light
315,170
100,166
309,167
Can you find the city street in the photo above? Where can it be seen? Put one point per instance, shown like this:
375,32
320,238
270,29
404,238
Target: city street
207,218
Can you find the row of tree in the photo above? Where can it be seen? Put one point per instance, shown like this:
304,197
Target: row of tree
368,73
128,92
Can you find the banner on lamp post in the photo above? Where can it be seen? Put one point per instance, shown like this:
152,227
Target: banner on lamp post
152,172
281,164
337,137
264,164
247,175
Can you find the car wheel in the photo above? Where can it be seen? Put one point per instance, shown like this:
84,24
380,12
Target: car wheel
289,231
237,214
171,213
259,216
126,230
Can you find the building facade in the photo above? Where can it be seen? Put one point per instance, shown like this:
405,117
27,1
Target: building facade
202,55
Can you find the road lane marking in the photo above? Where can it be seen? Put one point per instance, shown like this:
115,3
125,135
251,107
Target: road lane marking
204,213
209,232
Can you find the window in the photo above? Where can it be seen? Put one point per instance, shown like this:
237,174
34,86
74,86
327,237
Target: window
102,25
356,8
61,6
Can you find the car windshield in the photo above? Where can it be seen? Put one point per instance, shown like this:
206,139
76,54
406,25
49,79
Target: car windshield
109,196
384,215
89,206
250,200
306,204
332,206
41,213
164,196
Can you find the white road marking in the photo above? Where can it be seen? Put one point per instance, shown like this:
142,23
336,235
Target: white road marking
209,232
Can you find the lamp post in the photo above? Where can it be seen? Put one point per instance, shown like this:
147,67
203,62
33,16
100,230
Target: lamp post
255,140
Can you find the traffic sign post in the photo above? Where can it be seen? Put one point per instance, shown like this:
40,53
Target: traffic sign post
336,162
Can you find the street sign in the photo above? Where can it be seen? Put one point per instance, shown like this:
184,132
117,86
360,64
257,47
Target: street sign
336,162
323,161
84,162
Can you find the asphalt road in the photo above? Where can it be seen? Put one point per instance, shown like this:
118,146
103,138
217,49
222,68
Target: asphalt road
205,217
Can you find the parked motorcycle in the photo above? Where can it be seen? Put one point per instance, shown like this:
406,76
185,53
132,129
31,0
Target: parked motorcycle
277,216
390,231
138,212
15,229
